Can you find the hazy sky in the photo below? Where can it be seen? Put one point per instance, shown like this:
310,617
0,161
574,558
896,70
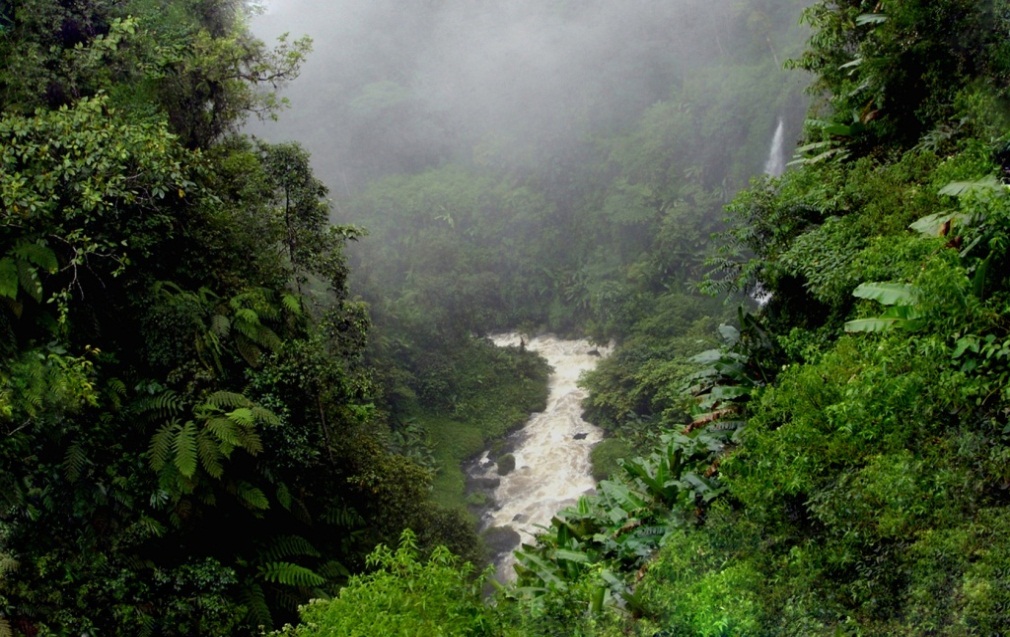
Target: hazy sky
395,85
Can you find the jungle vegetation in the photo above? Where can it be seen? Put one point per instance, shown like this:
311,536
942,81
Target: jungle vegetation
214,409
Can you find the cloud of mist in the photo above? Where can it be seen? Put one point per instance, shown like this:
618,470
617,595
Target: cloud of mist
397,86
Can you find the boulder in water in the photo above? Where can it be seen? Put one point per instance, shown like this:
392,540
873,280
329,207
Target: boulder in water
580,436
501,540
486,483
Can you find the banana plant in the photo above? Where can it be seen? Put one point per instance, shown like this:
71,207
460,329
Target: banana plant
901,313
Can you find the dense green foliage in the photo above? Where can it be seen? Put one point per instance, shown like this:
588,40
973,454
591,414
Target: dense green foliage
836,464
403,596
862,489
199,434
192,441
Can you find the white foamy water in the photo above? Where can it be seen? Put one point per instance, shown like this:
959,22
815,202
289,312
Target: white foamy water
552,455
776,164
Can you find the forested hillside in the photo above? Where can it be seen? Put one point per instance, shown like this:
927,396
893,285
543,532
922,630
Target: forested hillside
214,409
191,442
836,463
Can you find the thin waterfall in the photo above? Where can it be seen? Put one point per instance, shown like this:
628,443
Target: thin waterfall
776,164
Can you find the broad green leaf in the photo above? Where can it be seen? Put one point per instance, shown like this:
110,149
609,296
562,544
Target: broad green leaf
870,325
571,556
961,188
729,334
886,293
930,224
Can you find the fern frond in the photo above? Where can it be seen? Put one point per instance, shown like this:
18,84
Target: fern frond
250,441
146,625
249,352
288,546
184,446
8,278
5,628
152,527
38,255
268,338
210,456
342,516
166,404
252,497
227,400
333,570
161,445
115,390
220,325
289,574
256,604
8,564
292,598
30,282
292,304
226,431
242,416
265,416
74,461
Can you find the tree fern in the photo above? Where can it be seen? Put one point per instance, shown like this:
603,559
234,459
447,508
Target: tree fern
74,461
250,441
38,255
283,496
225,430
165,404
287,546
210,456
160,448
252,497
226,400
184,446
292,303
333,570
29,279
256,604
242,416
8,278
290,574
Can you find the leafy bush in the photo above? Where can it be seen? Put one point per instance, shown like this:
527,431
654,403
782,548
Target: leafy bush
403,595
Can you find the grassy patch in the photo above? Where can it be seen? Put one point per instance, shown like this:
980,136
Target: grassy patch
493,391
605,455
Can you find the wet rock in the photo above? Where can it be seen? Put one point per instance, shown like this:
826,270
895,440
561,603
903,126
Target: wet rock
595,352
519,517
506,464
485,483
580,436
501,540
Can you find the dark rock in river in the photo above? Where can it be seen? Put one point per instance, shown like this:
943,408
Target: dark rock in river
580,436
501,540
485,483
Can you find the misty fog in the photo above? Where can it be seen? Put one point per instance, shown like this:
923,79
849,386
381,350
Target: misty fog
394,87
